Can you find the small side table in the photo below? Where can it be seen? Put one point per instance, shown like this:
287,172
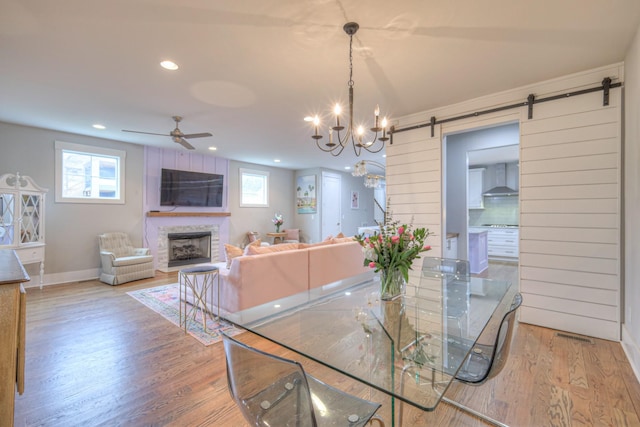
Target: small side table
201,281
277,237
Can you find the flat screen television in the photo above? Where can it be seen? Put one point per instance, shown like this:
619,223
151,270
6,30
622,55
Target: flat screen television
185,188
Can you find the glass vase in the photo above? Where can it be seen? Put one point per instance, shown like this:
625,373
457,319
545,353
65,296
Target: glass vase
277,228
391,284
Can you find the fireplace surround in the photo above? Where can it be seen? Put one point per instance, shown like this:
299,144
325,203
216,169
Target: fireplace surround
184,249
189,248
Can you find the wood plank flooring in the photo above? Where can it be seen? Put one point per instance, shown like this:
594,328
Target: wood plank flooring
97,357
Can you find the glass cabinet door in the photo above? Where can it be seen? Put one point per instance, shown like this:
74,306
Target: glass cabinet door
30,223
7,209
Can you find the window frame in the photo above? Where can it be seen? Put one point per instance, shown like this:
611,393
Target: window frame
254,172
90,150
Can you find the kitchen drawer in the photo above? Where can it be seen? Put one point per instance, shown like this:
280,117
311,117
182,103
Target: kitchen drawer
503,251
504,232
502,240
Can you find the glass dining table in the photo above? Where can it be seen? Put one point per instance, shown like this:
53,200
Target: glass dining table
410,348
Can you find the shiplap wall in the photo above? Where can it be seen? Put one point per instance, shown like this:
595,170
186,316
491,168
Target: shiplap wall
414,166
570,215
570,188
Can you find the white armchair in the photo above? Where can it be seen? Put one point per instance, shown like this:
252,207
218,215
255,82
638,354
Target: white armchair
121,262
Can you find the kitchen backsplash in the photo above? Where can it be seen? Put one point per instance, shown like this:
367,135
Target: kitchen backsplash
497,210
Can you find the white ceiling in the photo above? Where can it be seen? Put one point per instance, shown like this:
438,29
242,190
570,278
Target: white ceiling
251,70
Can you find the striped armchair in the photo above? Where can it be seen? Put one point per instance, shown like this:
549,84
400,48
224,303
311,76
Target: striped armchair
121,262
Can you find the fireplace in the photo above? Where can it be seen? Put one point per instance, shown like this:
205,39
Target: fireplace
188,248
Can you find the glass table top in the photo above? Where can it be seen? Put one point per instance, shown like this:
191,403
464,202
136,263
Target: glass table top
346,327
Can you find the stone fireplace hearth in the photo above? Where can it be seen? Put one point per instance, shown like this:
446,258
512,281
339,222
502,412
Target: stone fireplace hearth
187,248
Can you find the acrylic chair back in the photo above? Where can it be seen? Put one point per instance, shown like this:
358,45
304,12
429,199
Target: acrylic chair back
269,390
486,361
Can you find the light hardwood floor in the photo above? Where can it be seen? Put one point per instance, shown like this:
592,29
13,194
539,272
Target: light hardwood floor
96,356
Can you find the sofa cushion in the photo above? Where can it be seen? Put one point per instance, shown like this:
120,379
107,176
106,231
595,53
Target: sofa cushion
132,260
257,250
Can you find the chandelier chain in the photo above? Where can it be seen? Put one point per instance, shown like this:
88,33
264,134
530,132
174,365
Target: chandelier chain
351,61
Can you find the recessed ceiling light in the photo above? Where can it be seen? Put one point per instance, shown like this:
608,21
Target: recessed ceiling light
347,167
99,126
308,119
169,65
213,148
276,160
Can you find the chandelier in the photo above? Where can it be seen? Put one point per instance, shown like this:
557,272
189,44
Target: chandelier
354,135
370,180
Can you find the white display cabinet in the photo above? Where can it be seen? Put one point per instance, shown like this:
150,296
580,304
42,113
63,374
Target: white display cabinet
22,218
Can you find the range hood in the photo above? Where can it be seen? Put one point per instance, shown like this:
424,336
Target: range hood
501,188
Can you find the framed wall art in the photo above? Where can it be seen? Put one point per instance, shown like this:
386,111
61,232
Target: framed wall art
306,200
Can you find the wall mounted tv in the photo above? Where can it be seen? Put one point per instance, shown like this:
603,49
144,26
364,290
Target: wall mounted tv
185,188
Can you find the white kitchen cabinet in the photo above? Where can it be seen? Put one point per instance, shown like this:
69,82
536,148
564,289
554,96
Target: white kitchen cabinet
503,242
22,219
475,200
451,246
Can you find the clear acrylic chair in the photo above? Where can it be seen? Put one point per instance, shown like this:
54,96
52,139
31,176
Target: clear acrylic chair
273,391
456,273
484,361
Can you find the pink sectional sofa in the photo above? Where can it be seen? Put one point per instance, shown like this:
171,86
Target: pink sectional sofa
257,279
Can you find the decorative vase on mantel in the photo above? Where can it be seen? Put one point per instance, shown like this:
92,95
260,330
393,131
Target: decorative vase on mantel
392,284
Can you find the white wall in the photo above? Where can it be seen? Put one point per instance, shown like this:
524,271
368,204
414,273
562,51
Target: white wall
631,326
281,200
71,251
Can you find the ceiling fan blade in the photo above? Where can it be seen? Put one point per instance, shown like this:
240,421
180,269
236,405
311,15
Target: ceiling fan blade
197,135
185,144
146,133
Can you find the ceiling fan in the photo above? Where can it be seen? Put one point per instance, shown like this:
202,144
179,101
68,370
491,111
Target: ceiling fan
177,134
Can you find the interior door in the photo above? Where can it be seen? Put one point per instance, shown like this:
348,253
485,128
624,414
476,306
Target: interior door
331,205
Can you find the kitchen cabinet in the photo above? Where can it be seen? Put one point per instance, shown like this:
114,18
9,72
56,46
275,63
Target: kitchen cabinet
503,242
478,251
451,246
475,184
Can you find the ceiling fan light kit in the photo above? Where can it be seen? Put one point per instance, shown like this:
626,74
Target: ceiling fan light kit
176,134
354,135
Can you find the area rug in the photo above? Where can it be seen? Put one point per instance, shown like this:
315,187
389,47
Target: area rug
165,300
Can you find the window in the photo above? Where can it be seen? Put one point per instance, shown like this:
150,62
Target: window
87,174
254,188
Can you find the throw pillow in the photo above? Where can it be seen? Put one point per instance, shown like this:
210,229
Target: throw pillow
231,252
257,242
339,235
257,250
342,240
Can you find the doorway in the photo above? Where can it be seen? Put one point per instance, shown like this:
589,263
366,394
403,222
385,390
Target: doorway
331,224
479,151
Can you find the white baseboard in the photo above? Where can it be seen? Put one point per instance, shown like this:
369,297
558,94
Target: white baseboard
632,350
66,277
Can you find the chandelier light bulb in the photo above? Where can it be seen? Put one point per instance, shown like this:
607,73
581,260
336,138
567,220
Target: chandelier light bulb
340,140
